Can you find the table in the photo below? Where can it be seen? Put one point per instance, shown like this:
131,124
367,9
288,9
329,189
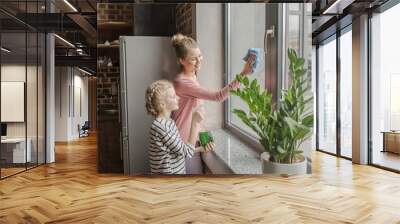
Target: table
391,141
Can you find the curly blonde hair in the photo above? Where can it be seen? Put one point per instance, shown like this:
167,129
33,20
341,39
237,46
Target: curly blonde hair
182,45
154,95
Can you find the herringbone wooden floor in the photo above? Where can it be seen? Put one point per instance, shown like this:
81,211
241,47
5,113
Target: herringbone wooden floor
71,191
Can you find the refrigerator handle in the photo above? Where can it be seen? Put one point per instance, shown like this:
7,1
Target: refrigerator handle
121,148
271,32
119,101
123,114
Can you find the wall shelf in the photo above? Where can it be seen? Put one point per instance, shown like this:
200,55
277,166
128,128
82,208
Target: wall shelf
115,46
114,25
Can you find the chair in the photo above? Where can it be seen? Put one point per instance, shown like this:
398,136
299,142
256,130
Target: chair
84,130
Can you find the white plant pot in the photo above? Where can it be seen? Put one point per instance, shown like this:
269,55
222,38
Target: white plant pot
286,169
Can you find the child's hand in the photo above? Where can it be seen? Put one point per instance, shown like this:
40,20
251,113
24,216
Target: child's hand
209,147
198,116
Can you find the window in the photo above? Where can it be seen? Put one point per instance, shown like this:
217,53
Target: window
22,65
385,88
334,106
327,96
246,25
346,93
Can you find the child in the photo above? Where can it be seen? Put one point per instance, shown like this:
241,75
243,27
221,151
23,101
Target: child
167,151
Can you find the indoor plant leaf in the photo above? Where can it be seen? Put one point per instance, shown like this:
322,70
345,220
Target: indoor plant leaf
281,128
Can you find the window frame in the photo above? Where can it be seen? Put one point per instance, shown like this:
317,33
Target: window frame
379,10
244,136
282,60
41,42
334,37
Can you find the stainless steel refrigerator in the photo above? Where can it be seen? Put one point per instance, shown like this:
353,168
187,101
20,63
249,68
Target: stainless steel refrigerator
143,60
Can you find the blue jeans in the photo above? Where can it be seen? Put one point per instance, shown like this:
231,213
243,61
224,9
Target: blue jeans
194,165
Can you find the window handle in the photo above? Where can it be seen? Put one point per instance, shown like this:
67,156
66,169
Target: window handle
271,32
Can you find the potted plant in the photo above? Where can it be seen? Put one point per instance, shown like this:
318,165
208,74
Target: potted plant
281,128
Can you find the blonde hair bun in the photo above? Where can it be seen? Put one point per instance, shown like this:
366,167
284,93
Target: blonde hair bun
182,44
177,39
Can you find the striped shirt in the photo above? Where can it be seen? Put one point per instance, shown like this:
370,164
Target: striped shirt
167,151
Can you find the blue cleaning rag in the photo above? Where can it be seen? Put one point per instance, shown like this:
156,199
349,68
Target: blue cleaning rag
257,53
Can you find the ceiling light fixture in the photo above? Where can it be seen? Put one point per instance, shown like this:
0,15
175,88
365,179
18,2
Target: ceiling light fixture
5,50
70,5
64,40
84,71
328,10
337,7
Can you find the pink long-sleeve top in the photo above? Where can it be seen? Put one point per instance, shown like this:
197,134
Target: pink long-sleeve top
190,92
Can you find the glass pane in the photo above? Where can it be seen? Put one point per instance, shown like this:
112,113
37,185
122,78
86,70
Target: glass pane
294,6
294,32
77,106
295,28
314,89
327,97
13,87
385,86
41,98
31,98
246,31
346,94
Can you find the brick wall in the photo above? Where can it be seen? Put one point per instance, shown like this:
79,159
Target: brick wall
108,77
114,12
107,85
186,19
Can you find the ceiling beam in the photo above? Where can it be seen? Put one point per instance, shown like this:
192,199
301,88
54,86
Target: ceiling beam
81,61
84,24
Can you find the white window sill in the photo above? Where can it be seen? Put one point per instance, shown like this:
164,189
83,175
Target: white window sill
231,155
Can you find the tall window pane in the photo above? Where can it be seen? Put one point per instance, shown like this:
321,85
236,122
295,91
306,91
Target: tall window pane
385,89
31,100
346,94
15,151
247,25
327,96
41,98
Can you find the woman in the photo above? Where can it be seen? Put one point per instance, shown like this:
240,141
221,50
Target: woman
190,92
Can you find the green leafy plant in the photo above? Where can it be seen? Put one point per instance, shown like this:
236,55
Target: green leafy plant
284,127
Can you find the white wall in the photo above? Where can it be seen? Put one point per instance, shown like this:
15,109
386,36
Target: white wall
12,73
33,125
69,82
209,35
62,81
80,83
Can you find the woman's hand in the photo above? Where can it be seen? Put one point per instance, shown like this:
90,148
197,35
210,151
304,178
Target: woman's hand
209,147
234,84
248,68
